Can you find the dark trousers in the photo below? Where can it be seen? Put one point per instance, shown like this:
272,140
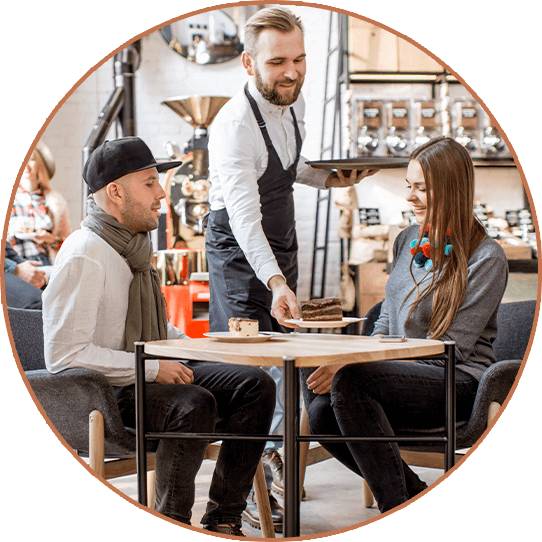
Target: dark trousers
384,399
21,294
223,398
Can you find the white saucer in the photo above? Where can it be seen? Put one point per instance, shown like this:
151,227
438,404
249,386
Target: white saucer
25,236
225,336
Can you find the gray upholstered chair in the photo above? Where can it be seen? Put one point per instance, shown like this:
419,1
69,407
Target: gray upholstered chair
81,405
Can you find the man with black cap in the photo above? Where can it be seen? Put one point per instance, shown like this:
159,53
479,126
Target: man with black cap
104,294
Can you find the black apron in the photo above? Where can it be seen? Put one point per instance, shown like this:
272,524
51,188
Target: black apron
235,290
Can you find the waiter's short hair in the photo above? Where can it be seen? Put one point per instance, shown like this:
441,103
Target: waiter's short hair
276,18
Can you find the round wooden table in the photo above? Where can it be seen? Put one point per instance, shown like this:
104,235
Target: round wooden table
292,351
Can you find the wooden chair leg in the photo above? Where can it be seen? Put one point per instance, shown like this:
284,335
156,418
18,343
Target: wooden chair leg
303,448
492,411
368,498
262,501
151,484
96,442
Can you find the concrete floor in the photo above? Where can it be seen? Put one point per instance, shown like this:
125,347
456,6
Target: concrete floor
333,501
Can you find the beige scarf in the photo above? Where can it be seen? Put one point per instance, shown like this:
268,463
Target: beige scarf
146,319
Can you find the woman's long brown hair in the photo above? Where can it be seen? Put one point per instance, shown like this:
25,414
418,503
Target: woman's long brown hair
449,177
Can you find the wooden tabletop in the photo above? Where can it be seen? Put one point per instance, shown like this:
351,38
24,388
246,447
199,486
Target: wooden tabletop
309,349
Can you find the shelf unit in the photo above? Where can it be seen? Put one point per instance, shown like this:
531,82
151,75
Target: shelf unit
437,79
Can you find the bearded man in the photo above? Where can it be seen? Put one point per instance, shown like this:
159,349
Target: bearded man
254,160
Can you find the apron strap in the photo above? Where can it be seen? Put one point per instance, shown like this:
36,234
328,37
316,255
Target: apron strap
298,140
259,118
265,133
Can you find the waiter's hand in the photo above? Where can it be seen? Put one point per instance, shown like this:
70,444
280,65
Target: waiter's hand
173,372
344,178
284,305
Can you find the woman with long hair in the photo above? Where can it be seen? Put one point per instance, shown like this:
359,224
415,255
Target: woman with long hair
39,220
447,282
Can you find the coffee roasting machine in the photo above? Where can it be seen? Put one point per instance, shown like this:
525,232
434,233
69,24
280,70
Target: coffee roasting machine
188,187
183,265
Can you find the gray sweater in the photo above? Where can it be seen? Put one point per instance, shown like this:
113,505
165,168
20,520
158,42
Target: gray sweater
474,327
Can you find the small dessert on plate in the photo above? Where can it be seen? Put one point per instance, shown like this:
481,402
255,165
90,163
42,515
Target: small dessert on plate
243,327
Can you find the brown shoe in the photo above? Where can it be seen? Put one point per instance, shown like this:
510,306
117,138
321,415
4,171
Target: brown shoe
225,528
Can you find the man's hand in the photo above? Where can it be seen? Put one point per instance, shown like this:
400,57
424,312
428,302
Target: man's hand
173,372
342,179
284,304
30,272
320,381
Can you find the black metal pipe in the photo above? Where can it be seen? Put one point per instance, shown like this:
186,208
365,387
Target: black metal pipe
125,64
211,436
121,104
108,114
299,438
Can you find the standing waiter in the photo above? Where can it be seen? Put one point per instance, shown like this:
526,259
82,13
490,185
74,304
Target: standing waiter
254,155
254,159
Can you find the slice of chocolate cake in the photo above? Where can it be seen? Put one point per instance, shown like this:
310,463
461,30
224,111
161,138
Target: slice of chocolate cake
322,310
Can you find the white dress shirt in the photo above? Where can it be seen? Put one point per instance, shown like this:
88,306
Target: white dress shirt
238,158
84,311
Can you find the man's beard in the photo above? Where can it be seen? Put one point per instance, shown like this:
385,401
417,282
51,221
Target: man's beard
271,94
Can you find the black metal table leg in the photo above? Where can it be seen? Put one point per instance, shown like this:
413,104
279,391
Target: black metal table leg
291,448
449,376
141,437
291,432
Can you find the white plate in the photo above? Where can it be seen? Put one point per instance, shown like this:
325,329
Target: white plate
317,325
25,236
225,336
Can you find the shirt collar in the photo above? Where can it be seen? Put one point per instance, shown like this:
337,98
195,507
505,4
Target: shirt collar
37,192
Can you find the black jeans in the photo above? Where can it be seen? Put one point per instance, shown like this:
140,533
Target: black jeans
21,294
383,399
223,398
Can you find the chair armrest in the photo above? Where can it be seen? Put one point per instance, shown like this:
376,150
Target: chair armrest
496,383
494,386
70,396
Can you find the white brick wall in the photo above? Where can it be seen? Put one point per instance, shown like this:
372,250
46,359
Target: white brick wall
164,74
